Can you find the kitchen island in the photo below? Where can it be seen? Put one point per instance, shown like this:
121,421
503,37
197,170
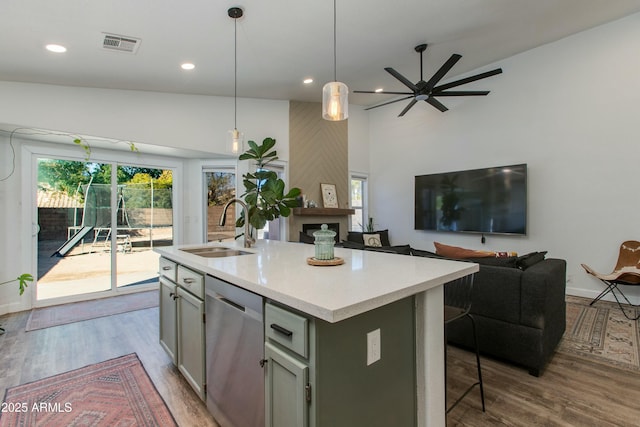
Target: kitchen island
366,282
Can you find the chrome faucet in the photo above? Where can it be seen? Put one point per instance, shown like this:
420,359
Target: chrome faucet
248,240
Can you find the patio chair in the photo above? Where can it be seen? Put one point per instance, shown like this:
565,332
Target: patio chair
457,305
625,273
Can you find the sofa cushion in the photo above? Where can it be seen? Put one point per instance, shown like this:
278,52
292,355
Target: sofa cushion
423,253
356,236
460,253
509,262
305,238
352,245
372,239
525,261
401,249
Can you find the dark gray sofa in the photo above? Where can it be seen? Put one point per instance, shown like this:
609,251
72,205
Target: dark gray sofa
518,305
520,314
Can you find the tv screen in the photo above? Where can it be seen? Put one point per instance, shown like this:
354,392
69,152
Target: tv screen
491,200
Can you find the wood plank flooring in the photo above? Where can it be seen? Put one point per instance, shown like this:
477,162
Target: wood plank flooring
571,392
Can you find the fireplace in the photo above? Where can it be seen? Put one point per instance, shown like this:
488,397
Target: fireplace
309,229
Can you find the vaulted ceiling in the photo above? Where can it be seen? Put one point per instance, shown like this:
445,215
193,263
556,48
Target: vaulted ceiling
280,42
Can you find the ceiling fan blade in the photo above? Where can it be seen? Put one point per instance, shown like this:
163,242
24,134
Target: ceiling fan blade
443,70
390,102
462,93
436,104
468,80
383,92
408,107
402,78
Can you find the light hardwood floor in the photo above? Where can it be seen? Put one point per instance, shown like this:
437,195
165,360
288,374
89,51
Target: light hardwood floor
571,392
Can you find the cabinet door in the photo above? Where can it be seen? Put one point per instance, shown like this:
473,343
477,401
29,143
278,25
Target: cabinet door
168,337
286,389
191,340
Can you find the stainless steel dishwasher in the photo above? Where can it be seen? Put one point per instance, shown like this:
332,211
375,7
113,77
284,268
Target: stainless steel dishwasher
234,351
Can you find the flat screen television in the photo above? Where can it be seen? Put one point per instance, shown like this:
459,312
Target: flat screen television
490,200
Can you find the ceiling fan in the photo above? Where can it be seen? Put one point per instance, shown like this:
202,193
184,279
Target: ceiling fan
427,90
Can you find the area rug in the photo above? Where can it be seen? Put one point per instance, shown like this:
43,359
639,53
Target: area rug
117,392
78,311
601,333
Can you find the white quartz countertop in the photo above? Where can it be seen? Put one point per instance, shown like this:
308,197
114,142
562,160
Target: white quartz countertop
367,280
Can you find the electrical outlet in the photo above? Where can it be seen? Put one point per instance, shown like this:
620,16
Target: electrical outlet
373,347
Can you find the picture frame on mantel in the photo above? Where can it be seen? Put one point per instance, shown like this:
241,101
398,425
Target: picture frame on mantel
329,195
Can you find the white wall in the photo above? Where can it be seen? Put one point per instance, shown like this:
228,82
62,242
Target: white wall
358,134
170,120
570,111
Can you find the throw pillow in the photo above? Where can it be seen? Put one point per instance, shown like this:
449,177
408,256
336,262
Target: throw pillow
372,240
356,236
457,252
530,259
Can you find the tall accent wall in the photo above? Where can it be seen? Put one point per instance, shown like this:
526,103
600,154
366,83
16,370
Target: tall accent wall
318,153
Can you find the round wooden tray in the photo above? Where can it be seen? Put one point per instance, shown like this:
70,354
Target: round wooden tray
325,262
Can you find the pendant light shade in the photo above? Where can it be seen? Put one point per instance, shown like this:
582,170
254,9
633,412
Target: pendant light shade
335,103
235,139
335,100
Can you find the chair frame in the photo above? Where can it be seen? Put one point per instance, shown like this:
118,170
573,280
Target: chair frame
457,306
625,273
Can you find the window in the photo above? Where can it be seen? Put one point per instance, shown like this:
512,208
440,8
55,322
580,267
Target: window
358,202
220,187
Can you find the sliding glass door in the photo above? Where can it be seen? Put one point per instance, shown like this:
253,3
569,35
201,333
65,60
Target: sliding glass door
98,223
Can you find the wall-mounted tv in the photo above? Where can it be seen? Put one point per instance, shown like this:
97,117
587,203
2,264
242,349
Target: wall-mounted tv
490,200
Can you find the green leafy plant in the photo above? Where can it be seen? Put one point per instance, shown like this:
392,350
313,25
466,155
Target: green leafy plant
22,281
264,192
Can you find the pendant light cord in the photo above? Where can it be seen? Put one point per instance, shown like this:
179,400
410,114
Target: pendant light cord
235,73
335,55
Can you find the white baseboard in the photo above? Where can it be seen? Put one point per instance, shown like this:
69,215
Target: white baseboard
587,293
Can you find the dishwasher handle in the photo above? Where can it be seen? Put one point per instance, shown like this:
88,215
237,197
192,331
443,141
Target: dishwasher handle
280,329
231,303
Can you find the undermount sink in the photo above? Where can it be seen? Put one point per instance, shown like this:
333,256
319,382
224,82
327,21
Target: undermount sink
215,251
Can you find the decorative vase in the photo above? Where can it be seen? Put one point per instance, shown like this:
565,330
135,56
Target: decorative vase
324,241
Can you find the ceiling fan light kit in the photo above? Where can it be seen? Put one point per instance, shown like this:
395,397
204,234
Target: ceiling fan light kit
235,138
427,90
335,100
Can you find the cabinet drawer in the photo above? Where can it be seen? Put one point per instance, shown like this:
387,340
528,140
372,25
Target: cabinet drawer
191,281
286,328
168,269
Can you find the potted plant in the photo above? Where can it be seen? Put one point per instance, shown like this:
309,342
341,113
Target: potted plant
22,284
264,192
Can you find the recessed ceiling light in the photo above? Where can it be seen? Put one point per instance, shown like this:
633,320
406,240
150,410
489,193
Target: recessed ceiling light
307,81
187,66
379,90
56,48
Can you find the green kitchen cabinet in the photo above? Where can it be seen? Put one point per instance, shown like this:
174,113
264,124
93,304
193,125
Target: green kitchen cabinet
321,374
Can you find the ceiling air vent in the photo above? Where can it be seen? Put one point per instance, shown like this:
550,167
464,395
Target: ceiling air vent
120,43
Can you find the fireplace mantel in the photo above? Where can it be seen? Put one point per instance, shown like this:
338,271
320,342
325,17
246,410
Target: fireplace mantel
323,211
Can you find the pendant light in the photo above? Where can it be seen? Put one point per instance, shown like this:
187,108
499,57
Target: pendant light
335,102
235,139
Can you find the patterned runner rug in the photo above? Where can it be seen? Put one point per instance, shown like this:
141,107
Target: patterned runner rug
56,315
601,333
117,392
